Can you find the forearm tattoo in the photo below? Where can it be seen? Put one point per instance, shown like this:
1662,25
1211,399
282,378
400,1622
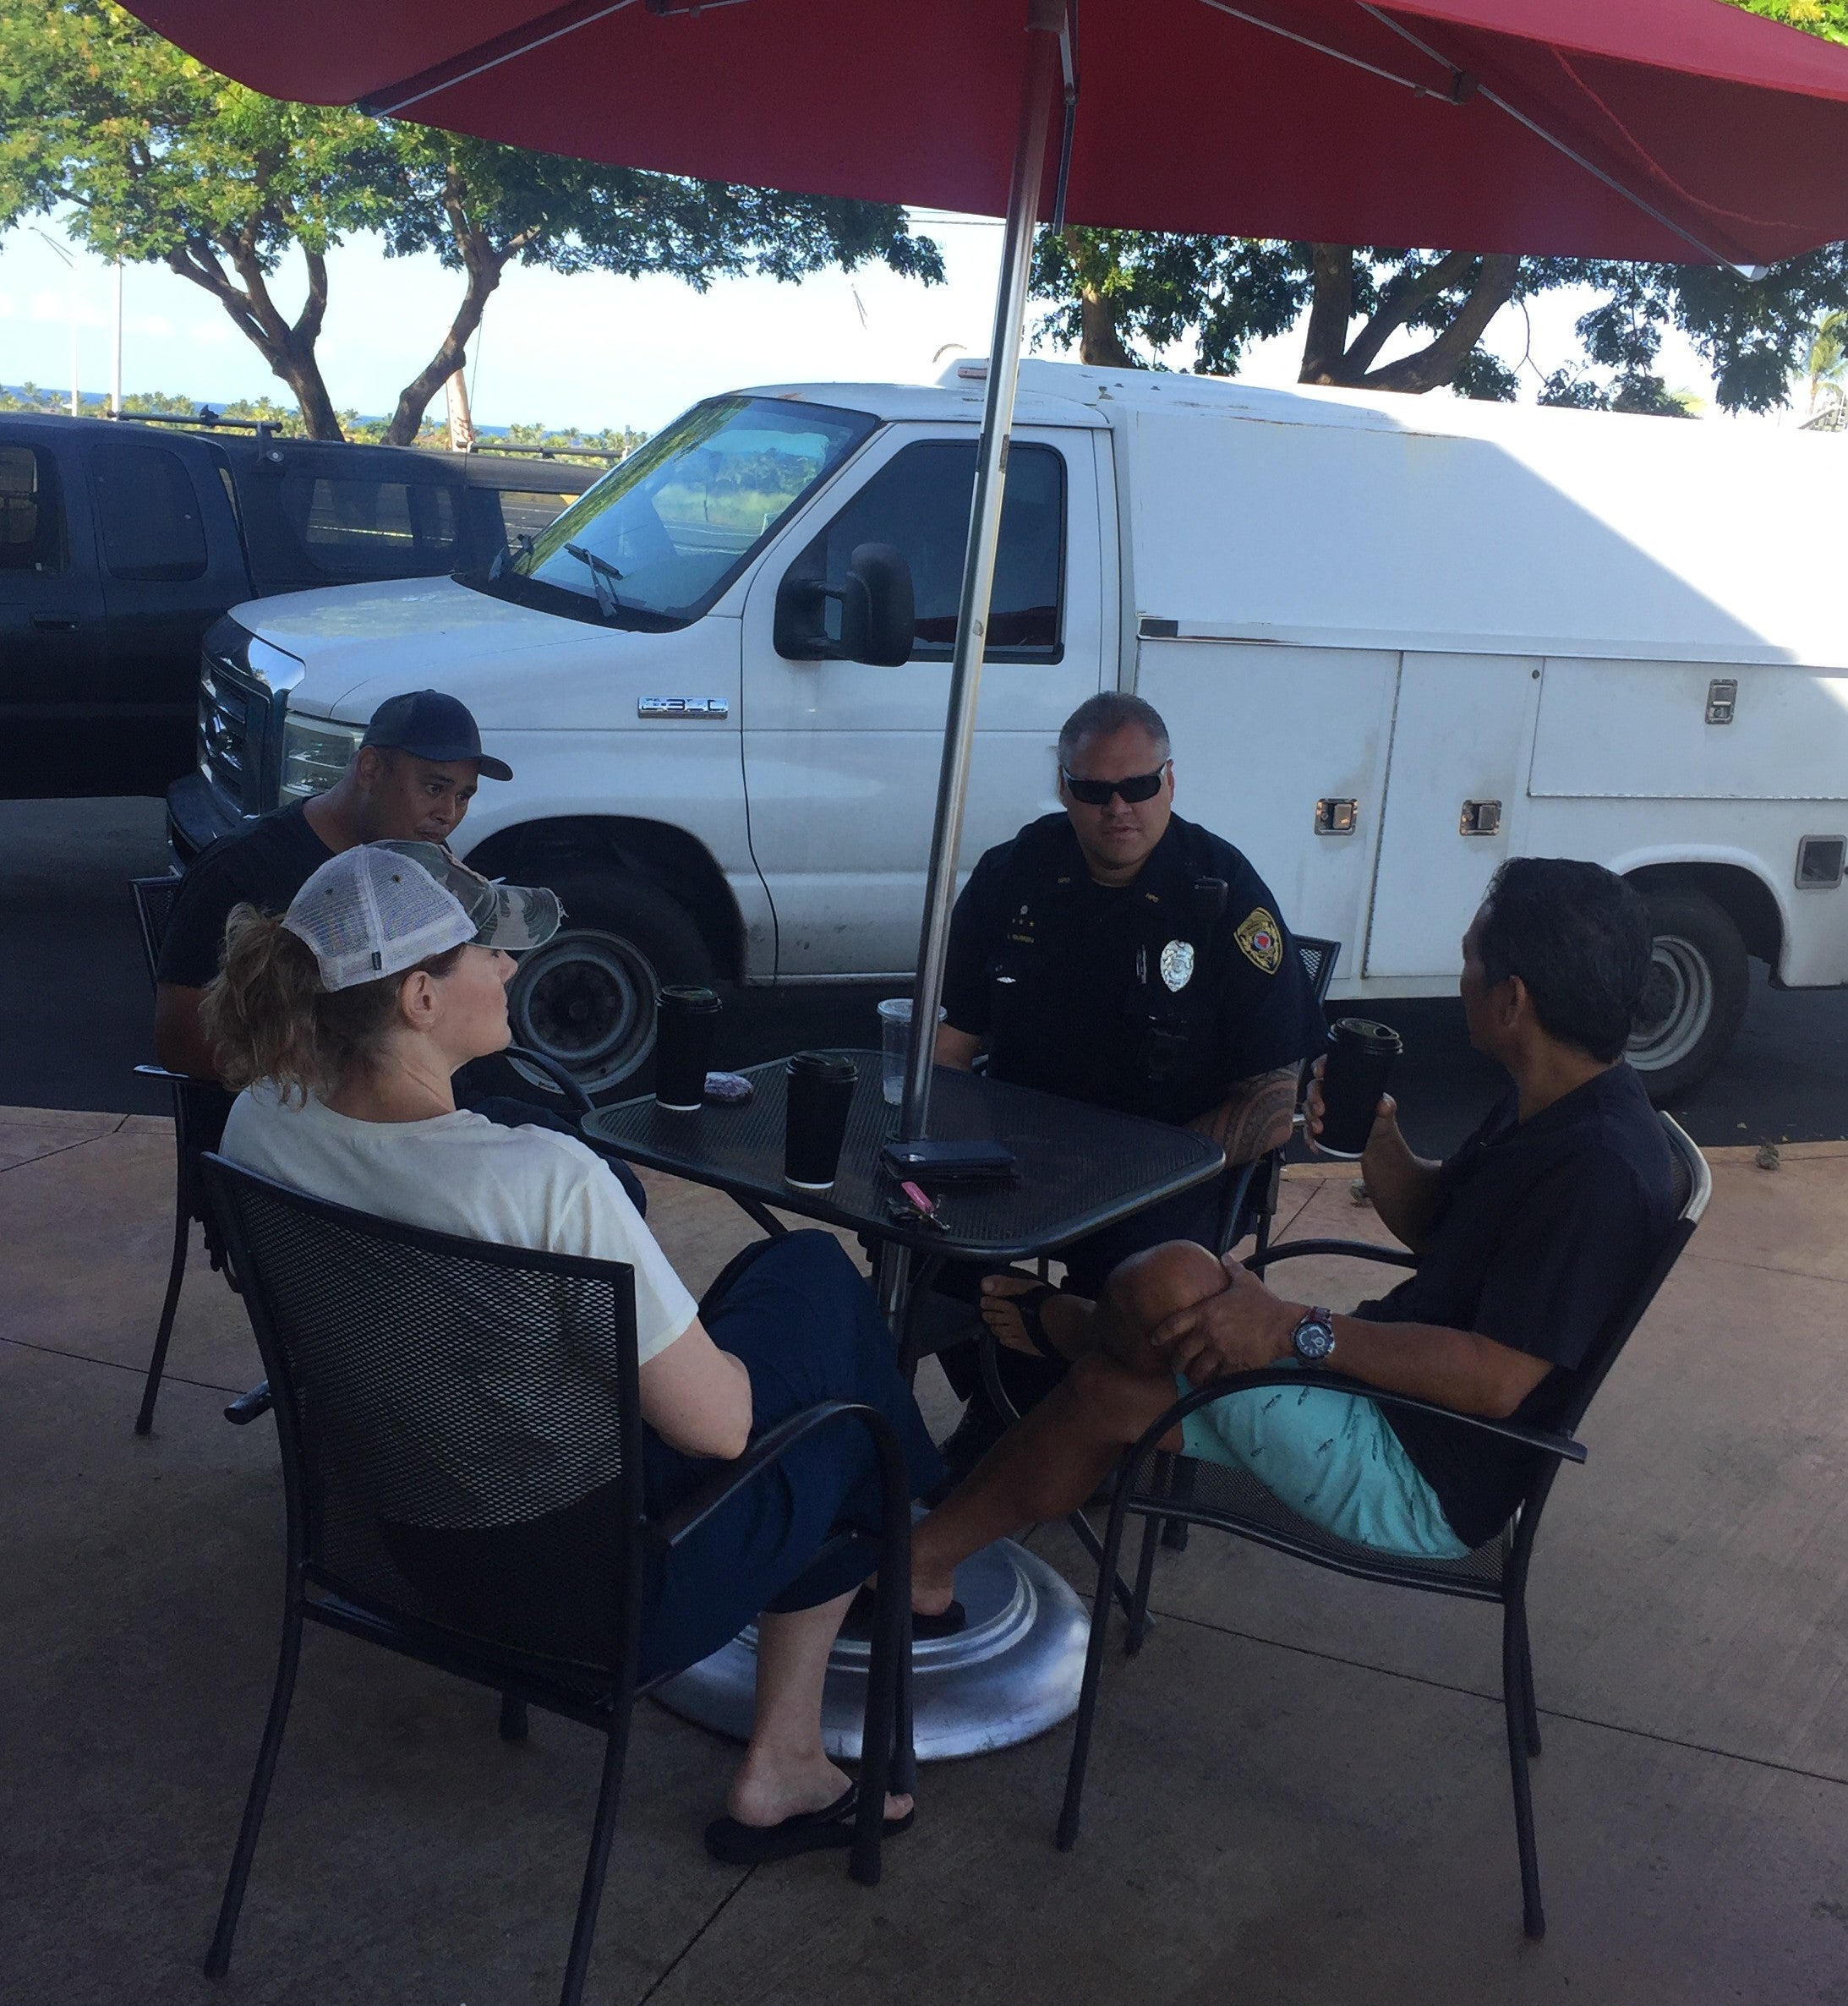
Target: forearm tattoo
1254,1116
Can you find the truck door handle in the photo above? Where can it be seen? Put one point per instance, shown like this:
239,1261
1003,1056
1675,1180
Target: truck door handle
1479,818
1336,817
64,623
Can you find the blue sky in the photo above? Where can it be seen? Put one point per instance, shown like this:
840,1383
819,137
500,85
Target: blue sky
589,351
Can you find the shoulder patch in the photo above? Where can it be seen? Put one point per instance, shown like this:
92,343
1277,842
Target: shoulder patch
1261,940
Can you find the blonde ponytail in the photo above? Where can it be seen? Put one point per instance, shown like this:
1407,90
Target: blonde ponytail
266,1016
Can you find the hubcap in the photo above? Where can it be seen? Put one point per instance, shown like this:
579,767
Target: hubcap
587,1001
1677,1005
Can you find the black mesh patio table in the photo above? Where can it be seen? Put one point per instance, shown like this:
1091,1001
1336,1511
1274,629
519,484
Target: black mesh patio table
1015,1669
1080,1167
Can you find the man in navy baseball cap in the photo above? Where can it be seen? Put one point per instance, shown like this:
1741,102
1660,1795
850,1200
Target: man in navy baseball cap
410,781
430,725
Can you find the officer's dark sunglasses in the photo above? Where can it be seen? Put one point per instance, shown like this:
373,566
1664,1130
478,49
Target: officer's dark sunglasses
1139,787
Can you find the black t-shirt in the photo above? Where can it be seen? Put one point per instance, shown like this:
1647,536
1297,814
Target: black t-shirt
1546,1230
264,866
1152,997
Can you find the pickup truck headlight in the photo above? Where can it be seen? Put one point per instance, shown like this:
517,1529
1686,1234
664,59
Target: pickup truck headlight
316,753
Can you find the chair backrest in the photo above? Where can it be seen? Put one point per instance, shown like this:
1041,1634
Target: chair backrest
1318,960
1693,1186
440,1403
154,899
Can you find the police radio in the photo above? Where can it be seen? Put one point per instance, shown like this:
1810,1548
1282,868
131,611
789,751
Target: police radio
1207,897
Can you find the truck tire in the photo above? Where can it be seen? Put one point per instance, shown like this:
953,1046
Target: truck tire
586,998
1696,995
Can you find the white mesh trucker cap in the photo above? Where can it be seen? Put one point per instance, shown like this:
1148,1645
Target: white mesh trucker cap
380,909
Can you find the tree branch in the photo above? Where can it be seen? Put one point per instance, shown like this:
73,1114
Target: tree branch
1440,360
483,265
1402,298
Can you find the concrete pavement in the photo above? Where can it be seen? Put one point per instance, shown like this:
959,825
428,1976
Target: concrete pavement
1298,1794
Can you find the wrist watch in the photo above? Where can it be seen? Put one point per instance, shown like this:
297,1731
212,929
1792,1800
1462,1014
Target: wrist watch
1314,1337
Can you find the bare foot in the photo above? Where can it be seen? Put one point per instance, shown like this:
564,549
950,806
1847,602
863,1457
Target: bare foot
1063,1318
765,1794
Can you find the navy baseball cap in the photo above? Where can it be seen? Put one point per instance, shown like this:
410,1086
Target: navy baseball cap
430,725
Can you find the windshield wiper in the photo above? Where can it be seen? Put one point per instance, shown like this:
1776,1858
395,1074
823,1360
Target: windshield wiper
600,568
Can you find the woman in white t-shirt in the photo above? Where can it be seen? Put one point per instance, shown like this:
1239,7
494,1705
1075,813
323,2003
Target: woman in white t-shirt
343,1022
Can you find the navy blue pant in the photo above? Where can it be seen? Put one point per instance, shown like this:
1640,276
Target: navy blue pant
800,1316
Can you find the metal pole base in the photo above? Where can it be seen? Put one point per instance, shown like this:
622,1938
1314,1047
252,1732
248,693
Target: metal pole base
1012,1673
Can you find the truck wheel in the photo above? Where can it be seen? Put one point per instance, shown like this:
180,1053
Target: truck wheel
1695,994
586,998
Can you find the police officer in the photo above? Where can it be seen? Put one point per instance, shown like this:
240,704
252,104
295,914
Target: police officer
1120,955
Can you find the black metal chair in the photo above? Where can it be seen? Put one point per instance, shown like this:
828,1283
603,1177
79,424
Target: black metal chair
369,1331
1230,1500
199,1109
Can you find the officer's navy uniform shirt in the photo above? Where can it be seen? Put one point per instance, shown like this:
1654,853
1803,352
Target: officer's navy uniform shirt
1546,1229
1153,997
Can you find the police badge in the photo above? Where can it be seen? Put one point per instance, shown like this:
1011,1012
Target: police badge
1261,940
1177,964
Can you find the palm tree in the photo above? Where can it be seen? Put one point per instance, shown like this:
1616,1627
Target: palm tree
1826,366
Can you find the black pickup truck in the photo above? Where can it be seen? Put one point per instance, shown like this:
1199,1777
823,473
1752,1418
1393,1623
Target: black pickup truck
121,543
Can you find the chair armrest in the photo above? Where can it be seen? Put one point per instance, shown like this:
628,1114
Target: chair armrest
771,1448
574,1095
171,1078
1393,1257
1548,1441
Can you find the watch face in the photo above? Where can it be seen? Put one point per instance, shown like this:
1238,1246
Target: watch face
1315,1338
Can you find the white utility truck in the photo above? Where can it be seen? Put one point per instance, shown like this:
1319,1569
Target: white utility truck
1396,641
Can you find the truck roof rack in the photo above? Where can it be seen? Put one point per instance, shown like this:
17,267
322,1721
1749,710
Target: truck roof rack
549,453
206,420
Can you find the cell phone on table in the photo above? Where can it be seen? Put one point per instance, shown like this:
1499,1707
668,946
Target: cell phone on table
933,1162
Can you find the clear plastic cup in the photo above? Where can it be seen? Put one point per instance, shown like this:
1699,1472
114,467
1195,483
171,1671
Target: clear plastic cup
894,1044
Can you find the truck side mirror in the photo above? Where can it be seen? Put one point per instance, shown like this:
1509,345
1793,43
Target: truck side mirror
878,609
878,617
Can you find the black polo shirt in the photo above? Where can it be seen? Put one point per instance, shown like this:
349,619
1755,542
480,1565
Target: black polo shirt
1547,1229
1152,997
264,866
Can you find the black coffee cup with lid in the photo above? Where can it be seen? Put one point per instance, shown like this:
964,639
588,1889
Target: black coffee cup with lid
1360,1060
686,1020
820,1092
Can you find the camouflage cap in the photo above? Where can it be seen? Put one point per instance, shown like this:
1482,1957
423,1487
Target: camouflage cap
510,917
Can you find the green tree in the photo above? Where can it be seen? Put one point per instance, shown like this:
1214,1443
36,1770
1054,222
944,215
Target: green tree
154,158
1825,367
1116,294
481,207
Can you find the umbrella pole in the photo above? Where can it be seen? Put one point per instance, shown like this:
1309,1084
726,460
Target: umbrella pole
1045,17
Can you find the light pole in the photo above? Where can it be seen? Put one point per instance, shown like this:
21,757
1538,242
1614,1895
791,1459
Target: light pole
70,309
115,384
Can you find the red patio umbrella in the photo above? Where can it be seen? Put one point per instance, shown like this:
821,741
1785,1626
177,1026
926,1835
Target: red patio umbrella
1679,129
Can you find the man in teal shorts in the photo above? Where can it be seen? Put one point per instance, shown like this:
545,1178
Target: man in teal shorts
1531,1239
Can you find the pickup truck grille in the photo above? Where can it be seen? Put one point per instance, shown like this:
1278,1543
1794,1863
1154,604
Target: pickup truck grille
233,728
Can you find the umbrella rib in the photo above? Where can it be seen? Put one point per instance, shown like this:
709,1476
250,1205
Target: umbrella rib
1323,48
1559,146
446,76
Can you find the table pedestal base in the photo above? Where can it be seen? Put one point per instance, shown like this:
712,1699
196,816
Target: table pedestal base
1011,1674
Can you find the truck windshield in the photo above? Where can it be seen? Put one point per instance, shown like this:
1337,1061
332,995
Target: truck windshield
658,538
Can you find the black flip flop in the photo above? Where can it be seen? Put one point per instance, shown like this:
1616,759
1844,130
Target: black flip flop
1028,1305
857,1624
809,1832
